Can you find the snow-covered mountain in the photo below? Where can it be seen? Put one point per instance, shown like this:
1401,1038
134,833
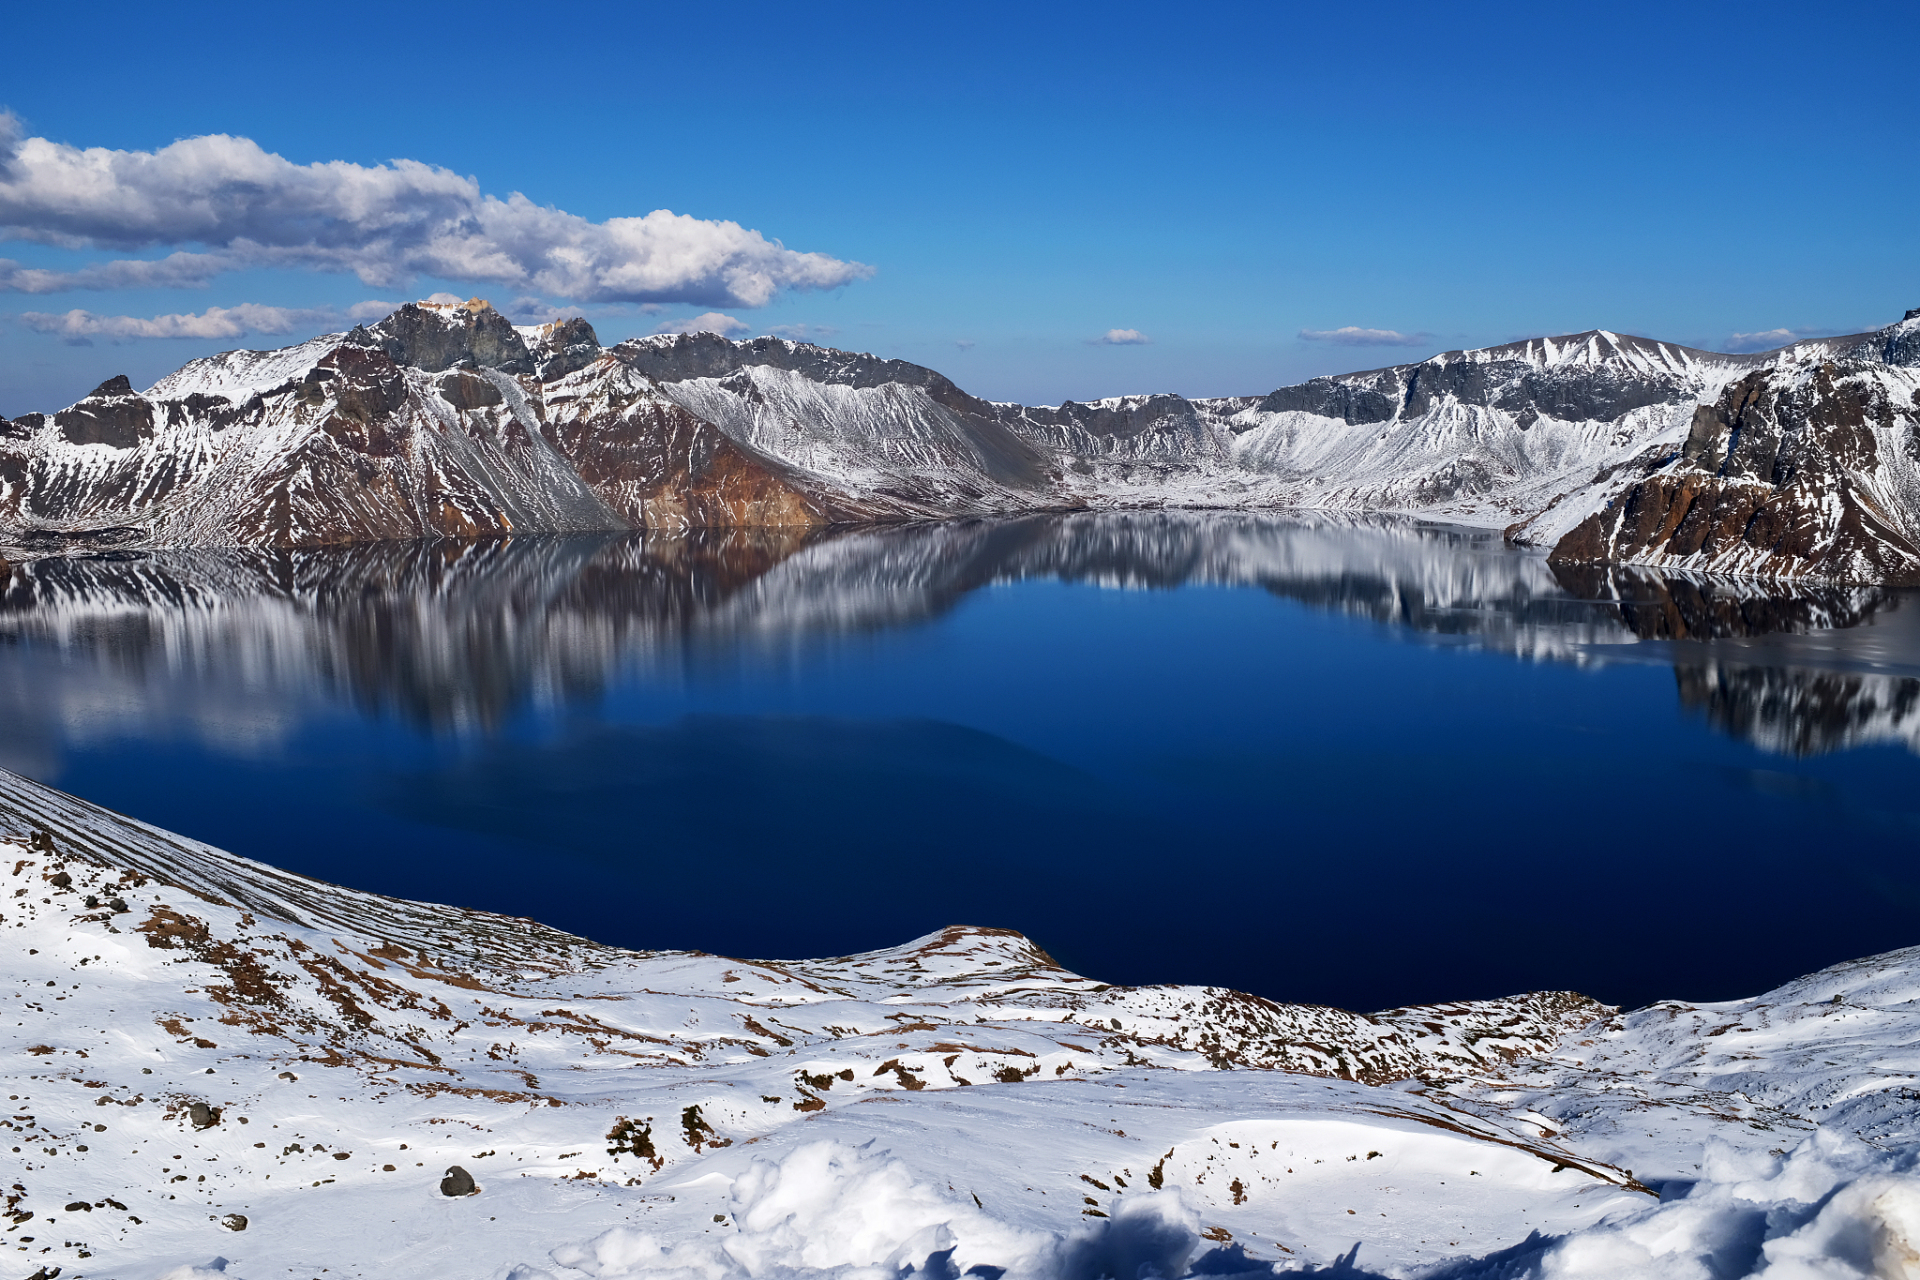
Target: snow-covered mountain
448,420
1807,467
222,1069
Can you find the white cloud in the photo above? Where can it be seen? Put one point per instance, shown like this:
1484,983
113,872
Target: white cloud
1352,336
1122,338
803,332
215,322
175,271
528,310
708,322
250,208
1768,339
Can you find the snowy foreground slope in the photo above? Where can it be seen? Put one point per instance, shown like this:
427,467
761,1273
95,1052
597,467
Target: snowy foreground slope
447,420
194,1039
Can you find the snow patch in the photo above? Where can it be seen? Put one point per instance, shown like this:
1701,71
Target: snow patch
830,1209
1832,1209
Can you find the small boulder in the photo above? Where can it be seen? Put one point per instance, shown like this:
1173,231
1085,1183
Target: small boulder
80,1206
234,1222
458,1182
60,880
203,1116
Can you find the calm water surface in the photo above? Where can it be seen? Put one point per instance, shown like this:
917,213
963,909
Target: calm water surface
1363,763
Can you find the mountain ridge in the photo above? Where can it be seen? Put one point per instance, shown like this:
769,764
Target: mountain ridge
448,420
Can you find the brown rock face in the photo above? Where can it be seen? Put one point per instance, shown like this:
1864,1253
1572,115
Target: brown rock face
113,415
465,390
658,466
433,424
1785,475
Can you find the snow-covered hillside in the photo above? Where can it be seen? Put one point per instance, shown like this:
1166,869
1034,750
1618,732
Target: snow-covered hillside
220,1069
1806,468
448,420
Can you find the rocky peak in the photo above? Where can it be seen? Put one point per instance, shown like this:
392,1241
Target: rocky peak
561,347
1903,341
112,415
678,357
433,336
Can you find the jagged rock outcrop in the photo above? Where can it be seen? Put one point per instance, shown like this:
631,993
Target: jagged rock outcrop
432,338
1808,470
447,420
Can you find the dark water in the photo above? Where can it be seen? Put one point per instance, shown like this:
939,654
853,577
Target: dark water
1359,763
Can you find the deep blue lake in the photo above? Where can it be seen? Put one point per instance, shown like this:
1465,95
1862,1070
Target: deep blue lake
1363,763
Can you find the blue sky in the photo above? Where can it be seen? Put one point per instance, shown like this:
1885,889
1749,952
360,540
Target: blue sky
1021,179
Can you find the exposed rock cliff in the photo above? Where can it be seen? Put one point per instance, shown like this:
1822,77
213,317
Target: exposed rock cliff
1799,469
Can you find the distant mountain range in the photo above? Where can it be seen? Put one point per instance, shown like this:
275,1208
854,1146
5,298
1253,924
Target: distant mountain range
448,420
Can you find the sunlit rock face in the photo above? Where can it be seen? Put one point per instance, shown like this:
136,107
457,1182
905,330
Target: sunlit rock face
446,420
1796,470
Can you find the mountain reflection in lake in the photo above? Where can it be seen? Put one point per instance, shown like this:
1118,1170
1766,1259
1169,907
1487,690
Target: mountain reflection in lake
1104,730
